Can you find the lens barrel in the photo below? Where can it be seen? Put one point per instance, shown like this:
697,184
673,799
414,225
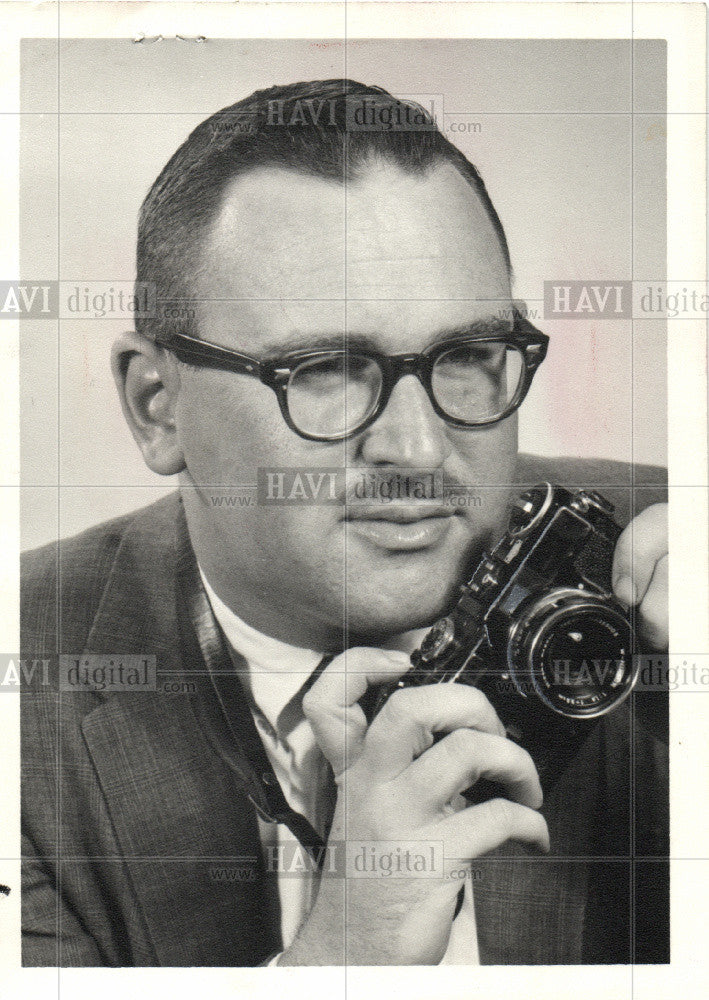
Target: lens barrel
574,651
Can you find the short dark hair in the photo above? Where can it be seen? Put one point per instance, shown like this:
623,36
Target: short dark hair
305,127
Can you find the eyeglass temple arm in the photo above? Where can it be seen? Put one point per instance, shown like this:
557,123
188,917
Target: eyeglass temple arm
202,351
536,351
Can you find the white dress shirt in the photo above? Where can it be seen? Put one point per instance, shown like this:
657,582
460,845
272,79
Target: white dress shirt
276,673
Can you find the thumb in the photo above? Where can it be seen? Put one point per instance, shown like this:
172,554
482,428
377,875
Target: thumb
640,547
331,705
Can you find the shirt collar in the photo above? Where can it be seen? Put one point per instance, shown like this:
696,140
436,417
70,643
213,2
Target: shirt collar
276,670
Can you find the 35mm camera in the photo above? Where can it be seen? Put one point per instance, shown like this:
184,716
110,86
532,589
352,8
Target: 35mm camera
537,628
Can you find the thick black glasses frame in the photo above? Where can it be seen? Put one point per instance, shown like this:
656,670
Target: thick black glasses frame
276,372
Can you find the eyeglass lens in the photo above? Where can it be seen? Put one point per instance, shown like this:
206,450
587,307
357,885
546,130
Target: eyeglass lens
477,381
337,393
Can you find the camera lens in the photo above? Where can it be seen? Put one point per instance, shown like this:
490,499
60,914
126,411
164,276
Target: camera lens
574,652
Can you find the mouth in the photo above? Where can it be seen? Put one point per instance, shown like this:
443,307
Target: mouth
401,529
399,514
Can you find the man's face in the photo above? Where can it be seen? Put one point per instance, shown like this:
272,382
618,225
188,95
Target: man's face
290,262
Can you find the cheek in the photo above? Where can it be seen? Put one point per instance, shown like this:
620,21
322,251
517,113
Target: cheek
227,437
488,455
229,426
485,464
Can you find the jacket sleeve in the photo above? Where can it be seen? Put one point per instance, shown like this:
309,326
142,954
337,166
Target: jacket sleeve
52,934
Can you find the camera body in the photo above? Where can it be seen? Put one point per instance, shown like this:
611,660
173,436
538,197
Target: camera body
537,629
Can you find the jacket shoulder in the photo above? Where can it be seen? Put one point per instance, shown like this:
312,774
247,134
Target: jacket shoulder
62,583
629,487
598,472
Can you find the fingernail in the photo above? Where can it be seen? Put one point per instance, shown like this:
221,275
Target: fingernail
625,591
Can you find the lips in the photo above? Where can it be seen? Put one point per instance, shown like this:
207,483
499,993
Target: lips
401,529
398,515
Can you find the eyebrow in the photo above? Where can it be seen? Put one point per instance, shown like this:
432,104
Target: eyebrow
494,326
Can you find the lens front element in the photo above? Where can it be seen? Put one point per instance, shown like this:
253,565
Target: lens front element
575,650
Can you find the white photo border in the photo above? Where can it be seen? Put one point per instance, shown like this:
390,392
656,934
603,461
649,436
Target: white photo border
683,27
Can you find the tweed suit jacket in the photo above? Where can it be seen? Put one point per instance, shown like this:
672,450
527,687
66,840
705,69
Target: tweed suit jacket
135,803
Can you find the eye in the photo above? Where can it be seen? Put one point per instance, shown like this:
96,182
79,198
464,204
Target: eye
482,356
476,380
334,369
319,373
329,394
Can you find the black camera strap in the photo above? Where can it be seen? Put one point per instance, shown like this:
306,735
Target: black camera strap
227,704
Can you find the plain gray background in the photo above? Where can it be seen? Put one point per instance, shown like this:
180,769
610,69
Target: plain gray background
571,144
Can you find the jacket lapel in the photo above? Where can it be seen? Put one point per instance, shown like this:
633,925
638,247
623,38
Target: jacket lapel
187,833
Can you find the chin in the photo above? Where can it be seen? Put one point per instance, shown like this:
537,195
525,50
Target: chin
383,613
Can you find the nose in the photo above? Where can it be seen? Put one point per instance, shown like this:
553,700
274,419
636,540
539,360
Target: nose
409,433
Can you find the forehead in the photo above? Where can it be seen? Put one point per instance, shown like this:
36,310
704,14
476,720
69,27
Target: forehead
393,256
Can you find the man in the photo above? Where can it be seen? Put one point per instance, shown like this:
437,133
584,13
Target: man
344,303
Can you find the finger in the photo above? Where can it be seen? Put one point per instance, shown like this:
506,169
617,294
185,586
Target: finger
654,609
405,726
331,704
463,757
640,546
479,829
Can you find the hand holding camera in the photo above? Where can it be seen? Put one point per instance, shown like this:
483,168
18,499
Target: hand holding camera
396,783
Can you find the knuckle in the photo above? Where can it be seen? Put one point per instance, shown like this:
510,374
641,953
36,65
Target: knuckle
355,657
521,757
622,546
539,824
622,556
478,696
466,693
649,529
662,570
655,633
644,547
480,703
364,658
399,705
461,743
502,813
656,514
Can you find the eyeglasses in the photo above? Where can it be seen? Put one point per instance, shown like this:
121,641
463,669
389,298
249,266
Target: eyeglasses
330,394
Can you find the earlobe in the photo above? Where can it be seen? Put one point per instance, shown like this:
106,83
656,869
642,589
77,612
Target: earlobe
148,394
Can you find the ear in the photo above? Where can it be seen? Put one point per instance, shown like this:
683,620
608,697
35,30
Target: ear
148,385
